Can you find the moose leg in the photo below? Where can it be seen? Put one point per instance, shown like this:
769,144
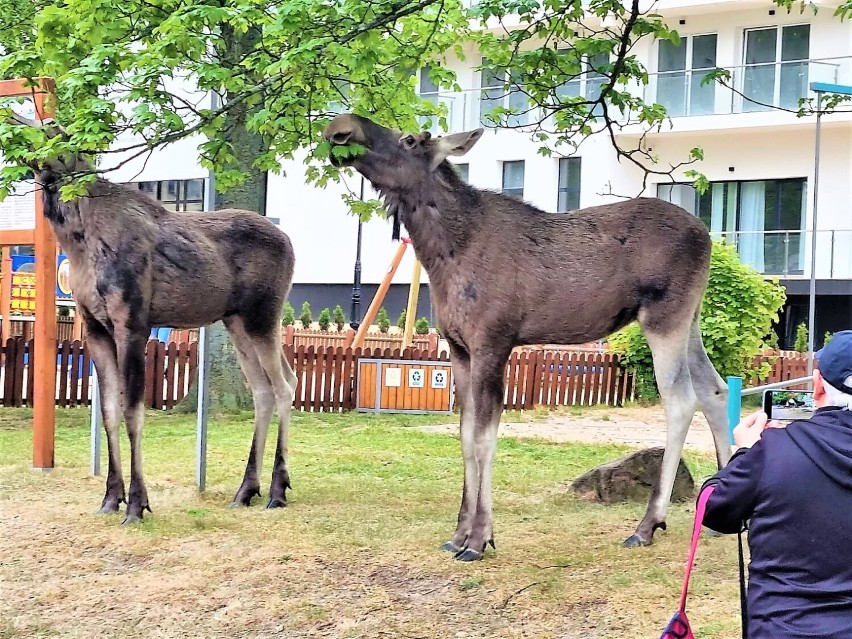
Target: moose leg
671,368
283,380
131,357
264,402
467,511
103,352
712,393
487,391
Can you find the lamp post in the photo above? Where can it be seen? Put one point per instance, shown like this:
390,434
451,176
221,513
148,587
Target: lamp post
820,88
355,312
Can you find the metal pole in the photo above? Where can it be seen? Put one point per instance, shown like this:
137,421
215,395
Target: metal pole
203,406
812,295
355,313
95,431
735,402
204,354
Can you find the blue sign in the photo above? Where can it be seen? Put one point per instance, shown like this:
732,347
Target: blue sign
25,264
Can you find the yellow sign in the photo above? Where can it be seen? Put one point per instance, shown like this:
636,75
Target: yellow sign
23,293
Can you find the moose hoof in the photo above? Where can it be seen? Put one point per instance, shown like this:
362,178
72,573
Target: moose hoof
108,509
635,541
451,547
276,503
132,519
469,554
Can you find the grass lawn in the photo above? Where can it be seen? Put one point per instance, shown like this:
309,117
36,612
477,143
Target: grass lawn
356,552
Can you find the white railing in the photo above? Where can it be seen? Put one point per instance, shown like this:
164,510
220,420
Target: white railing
751,87
788,253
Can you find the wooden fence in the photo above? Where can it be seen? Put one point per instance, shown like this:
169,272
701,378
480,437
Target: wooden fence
326,375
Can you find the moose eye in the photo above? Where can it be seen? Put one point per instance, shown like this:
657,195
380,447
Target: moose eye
409,141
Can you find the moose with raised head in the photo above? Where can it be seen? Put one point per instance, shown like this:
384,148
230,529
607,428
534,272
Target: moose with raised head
503,273
135,265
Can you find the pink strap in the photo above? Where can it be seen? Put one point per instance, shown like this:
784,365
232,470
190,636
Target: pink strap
703,498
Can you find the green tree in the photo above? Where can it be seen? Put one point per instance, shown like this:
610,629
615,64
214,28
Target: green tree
289,317
306,318
382,320
801,343
324,319
400,322
827,338
737,313
421,326
338,317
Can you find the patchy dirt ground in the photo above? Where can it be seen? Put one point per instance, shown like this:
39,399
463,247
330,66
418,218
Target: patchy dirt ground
635,426
355,556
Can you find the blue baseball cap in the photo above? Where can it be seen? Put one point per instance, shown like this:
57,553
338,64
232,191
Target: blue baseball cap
834,361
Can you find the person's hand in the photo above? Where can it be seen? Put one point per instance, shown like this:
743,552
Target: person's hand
747,433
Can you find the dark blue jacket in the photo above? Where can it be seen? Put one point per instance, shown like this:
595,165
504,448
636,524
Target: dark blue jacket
795,487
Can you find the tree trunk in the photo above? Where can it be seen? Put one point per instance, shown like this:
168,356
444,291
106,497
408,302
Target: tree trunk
229,390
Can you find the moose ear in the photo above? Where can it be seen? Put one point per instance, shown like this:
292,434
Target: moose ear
454,144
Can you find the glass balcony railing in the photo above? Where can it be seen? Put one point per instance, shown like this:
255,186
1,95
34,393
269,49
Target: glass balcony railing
788,253
752,87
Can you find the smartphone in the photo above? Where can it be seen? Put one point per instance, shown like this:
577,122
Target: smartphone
786,406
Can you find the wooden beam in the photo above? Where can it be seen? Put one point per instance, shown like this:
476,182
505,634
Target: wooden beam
44,358
21,237
411,310
380,295
23,87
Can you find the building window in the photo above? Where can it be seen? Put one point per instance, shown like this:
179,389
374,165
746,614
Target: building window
763,218
681,69
569,184
776,67
513,178
463,171
429,91
176,195
590,82
493,95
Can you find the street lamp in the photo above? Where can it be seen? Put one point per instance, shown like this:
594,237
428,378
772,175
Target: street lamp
820,88
355,312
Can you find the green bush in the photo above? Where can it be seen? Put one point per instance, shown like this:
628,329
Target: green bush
400,322
421,326
736,315
801,344
338,317
289,317
324,319
826,338
306,318
382,320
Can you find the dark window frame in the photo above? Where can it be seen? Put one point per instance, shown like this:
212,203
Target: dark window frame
181,201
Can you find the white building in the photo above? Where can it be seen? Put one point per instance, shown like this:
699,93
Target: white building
759,160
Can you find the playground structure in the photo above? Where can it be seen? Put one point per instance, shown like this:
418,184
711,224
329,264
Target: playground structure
19,228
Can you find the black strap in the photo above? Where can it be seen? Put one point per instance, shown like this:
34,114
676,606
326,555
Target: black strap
743,598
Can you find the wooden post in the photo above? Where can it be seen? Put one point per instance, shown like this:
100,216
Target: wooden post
379,297
77,330
411,309
44,359
6,295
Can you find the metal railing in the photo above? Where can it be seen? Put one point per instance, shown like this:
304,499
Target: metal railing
756,87
753,87
787,253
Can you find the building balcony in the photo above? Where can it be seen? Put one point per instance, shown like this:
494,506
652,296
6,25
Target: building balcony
787,254
758,96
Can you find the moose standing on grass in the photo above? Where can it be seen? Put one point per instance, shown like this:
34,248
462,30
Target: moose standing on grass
134,265
503,274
